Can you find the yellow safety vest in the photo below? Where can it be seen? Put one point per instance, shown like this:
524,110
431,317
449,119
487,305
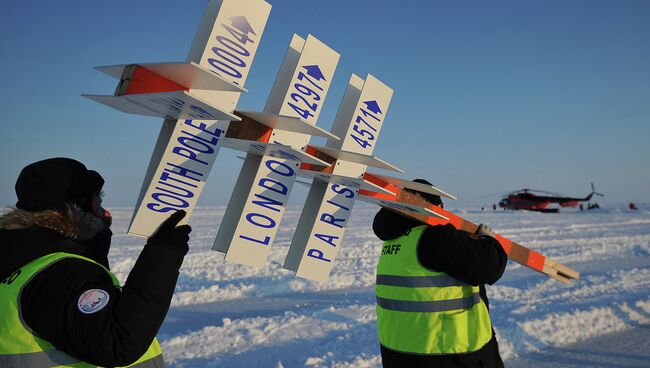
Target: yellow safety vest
424,312
20,348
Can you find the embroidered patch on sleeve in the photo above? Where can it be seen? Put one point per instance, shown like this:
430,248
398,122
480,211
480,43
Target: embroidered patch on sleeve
92,301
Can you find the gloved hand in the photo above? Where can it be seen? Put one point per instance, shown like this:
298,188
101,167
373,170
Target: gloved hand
485,230
170,235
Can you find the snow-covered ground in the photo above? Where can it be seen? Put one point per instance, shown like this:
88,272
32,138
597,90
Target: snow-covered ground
227,315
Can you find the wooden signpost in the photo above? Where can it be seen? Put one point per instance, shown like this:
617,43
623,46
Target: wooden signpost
198,98
518,253
257,204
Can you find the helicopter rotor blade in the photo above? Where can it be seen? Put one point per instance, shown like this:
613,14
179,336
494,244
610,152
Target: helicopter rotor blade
546,192
593,190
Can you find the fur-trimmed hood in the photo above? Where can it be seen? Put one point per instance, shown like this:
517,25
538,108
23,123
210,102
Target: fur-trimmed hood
75,224
27,235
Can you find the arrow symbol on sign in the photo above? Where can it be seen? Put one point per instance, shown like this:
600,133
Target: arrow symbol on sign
373,106
315,72
242,24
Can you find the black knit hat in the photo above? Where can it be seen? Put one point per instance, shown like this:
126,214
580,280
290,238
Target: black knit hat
431,198
51,183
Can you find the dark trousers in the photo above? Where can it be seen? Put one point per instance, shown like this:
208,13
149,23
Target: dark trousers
486,357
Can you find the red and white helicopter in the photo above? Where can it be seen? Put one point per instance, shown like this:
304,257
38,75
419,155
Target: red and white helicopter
540,201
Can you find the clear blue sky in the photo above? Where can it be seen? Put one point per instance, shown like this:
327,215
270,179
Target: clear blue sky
490,96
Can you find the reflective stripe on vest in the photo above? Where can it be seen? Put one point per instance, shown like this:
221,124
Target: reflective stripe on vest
418,281
20,348
54,358
432,306
50,358
424,312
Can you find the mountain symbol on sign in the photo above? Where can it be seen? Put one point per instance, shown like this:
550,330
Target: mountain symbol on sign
242,24
315,72
373,106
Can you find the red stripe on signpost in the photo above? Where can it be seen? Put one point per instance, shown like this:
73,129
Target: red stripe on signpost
145,81
520,254
535,260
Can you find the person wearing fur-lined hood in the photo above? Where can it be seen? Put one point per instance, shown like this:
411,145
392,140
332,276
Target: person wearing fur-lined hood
59,303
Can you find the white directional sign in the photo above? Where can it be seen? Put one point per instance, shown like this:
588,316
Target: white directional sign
225,45
258,202
320,230
168,105
197,99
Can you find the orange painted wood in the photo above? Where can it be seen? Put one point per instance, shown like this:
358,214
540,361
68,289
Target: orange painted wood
321,155
137,80
516,252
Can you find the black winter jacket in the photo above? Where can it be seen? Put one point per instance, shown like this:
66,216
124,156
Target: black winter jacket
119,333
475,260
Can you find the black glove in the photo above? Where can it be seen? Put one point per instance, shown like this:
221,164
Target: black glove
484,230
168,234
